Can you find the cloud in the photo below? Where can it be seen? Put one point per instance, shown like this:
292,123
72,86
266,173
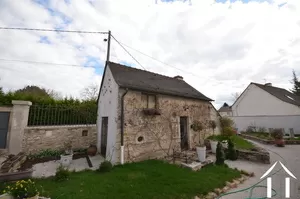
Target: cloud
225,45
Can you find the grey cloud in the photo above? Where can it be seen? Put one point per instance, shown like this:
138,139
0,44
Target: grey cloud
214,22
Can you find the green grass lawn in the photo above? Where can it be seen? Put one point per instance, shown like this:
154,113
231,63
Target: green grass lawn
148,179
264,136
295,138
239,142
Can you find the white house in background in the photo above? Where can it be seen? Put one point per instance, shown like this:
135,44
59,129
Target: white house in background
269,107
225,110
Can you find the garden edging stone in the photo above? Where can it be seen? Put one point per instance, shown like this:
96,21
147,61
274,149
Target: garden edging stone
226,188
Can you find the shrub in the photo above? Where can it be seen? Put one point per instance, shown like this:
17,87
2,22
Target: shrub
228,131
46,153
220,155
231,152
277,134
262,130
226,122
213,125
227,126
251,129
62,174
22,189
105,166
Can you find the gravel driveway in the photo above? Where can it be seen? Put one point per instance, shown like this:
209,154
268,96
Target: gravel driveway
288,155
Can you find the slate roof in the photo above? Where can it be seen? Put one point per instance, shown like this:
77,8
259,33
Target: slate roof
281,94
225,108
132,78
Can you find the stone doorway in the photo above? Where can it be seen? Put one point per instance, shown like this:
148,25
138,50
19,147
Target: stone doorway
184,144
4,119
104,129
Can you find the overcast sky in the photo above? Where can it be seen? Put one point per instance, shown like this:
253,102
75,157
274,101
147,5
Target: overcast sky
219,46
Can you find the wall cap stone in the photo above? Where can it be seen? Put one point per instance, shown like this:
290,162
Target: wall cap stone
20,102
62,126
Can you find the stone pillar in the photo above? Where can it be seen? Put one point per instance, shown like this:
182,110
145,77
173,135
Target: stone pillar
19,119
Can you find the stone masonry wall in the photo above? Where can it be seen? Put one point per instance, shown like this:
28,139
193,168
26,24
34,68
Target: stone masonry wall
156,136
47,137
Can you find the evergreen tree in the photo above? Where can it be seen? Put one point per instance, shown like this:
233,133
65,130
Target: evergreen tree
231,152
220,155
1,91
296,84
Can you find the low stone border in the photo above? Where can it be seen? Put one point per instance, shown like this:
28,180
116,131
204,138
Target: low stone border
256,155
264,141
196,166
13,176
229,185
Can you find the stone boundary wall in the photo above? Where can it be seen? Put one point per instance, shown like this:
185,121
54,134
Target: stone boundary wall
264,141
39,138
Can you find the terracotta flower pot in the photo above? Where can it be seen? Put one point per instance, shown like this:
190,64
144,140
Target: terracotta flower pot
92,150
279,142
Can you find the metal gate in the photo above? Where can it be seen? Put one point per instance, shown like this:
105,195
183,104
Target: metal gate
4,119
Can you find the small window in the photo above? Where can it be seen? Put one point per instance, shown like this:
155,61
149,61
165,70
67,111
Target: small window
148,101
84,133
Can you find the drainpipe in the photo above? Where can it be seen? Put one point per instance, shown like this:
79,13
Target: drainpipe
122,126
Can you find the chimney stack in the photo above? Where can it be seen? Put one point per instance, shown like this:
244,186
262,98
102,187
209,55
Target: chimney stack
178,77
268,84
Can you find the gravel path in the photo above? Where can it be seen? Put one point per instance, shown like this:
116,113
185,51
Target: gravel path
289,156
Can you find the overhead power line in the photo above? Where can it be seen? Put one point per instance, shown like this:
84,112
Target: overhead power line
45,63
54,30
128,52
156,59
187,72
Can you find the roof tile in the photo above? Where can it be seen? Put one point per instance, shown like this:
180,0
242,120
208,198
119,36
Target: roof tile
151,82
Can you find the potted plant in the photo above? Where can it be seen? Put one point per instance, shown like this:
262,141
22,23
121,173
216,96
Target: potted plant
224,144
197,126
92,150
277,134
67,156
22,190
213,141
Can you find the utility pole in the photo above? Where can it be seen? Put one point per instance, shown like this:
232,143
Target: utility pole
108,46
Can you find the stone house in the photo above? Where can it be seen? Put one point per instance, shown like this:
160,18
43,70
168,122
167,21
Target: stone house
145,115
225,110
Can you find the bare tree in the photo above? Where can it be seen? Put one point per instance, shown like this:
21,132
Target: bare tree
90,92
54,94
235,96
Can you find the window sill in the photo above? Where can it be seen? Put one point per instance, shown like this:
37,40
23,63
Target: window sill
151,111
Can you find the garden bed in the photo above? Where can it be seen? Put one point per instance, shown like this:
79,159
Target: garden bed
29,162
267,140
247,150
238,141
